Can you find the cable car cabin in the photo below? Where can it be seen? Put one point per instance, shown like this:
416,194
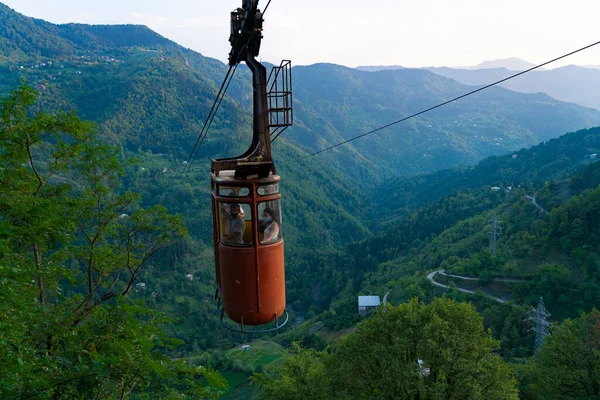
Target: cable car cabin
248,247
246,206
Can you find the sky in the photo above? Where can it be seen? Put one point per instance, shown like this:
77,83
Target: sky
411,33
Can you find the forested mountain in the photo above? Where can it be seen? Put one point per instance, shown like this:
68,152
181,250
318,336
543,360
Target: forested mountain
528,168
22,37
571,83
351,102
448,229
357,219
147,93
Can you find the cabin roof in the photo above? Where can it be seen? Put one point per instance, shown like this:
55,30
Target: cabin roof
368,301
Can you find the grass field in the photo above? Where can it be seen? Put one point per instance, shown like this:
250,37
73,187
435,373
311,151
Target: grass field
261,353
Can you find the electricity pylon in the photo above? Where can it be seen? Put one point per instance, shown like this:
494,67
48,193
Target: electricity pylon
539,316
495,231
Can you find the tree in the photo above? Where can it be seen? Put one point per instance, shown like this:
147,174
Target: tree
72,246
568,365
413,351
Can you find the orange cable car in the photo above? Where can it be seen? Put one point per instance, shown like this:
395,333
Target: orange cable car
248,244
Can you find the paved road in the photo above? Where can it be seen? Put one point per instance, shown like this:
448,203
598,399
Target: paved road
468,278
385,299
432,275
532,200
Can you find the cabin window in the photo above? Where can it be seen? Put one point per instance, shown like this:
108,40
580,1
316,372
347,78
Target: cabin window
236,224
269,227
233,191
266,190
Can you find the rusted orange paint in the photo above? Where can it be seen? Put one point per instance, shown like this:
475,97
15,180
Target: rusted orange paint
251,278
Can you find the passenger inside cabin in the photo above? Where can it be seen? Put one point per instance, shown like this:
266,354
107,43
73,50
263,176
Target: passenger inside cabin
236,225
271,227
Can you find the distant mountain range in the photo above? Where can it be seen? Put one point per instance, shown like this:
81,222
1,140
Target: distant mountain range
376,68
512,64
574,84
571,83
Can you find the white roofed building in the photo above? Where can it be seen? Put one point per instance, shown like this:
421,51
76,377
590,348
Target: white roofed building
368,303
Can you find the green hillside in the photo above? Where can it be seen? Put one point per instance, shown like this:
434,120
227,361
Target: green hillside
375,217
448,229
23,37
351,102
528,168
362,219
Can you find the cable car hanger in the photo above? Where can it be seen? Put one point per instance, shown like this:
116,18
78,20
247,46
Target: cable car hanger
248,250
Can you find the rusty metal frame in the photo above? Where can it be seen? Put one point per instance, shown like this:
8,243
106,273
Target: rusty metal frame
280,98
227,323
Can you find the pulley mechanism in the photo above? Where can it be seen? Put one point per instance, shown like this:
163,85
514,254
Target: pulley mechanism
246,32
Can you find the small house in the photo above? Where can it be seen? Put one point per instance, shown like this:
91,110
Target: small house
141,286
190,277
593,156
368,303
246,347
495,188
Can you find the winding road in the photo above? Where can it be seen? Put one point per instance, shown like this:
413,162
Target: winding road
532,200
468,278
432,275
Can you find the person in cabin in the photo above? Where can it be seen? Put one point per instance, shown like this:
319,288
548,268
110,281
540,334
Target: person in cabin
271,227
236,225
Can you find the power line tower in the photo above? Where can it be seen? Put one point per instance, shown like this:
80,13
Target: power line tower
495,232
539,316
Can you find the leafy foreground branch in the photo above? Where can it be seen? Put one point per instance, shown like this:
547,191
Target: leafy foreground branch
71,248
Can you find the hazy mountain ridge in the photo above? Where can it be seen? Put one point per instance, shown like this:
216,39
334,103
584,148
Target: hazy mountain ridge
571,83
511,63
491,122
376,68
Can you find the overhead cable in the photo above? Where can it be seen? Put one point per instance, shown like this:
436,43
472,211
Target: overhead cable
192,153
212,118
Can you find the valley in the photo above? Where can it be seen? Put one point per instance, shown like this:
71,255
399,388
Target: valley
403,214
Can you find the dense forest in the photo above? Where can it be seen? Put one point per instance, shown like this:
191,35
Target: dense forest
100,232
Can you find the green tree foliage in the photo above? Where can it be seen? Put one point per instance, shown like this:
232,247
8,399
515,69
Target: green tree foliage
568,364
72,251
435,351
